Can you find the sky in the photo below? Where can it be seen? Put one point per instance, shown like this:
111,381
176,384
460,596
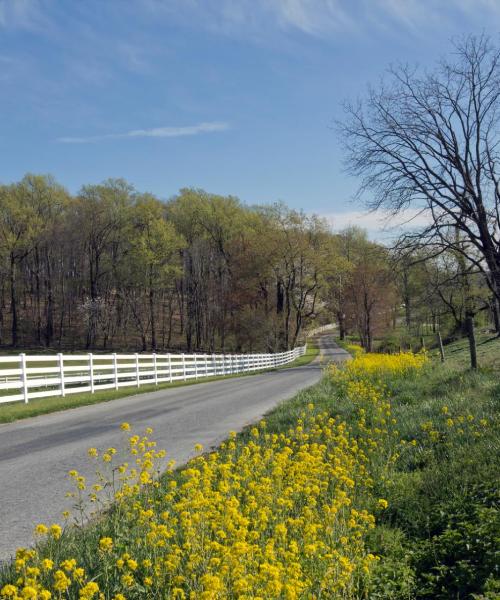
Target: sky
236,97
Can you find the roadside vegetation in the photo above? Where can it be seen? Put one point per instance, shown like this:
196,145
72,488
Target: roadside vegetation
379,482
312,352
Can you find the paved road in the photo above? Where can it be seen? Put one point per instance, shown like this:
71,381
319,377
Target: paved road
37,453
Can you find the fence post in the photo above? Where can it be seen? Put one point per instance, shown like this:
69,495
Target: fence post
206,365
169,360
195,366
115,369
60,358
24,377
440,344
183,367
214,363
469,323
91,372
155,368
137,378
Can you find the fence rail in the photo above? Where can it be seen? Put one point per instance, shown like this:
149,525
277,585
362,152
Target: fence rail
24,377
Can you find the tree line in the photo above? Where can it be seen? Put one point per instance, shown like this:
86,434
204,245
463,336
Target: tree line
111,268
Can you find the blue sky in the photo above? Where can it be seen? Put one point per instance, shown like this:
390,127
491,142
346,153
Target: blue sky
233,96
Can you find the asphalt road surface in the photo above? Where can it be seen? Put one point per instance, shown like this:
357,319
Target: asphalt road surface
37,453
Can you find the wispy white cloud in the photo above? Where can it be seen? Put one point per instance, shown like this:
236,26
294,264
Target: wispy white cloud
380,223
413,14
255,18
313,16
319,18
157,132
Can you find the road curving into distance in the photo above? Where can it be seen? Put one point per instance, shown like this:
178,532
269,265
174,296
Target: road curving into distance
37,453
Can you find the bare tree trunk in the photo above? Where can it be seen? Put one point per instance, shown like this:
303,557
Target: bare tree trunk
13,299
495,314
2,309
341,322
440,344
170,322
49,320
38,301
152,312
472,341
288,311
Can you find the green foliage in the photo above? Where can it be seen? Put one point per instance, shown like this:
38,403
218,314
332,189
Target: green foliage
440,536
393,577
461,554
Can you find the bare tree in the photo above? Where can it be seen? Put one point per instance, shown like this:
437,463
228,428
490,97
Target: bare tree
430,142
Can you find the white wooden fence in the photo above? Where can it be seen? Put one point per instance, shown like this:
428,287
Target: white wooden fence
24,377
321,329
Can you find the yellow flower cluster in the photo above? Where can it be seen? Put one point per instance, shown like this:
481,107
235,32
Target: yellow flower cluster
282,515
363,382
275,517
370,364
354,349
464,426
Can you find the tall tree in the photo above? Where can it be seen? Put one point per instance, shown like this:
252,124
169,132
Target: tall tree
153,261
430,142
371,291
19,226
102,221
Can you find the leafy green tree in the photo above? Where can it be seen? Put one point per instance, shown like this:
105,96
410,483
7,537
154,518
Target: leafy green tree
153,261
19,227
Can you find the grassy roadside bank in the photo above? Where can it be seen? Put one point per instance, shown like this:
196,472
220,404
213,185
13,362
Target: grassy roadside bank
378,483
312,351
14,411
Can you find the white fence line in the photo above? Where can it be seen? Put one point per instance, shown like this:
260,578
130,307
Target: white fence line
63,374
321,329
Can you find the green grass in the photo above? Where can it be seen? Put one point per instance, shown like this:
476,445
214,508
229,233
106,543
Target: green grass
488,352
312,351
14,411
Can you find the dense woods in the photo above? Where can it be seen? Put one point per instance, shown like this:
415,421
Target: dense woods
113,268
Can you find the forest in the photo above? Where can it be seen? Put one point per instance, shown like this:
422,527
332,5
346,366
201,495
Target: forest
115,268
